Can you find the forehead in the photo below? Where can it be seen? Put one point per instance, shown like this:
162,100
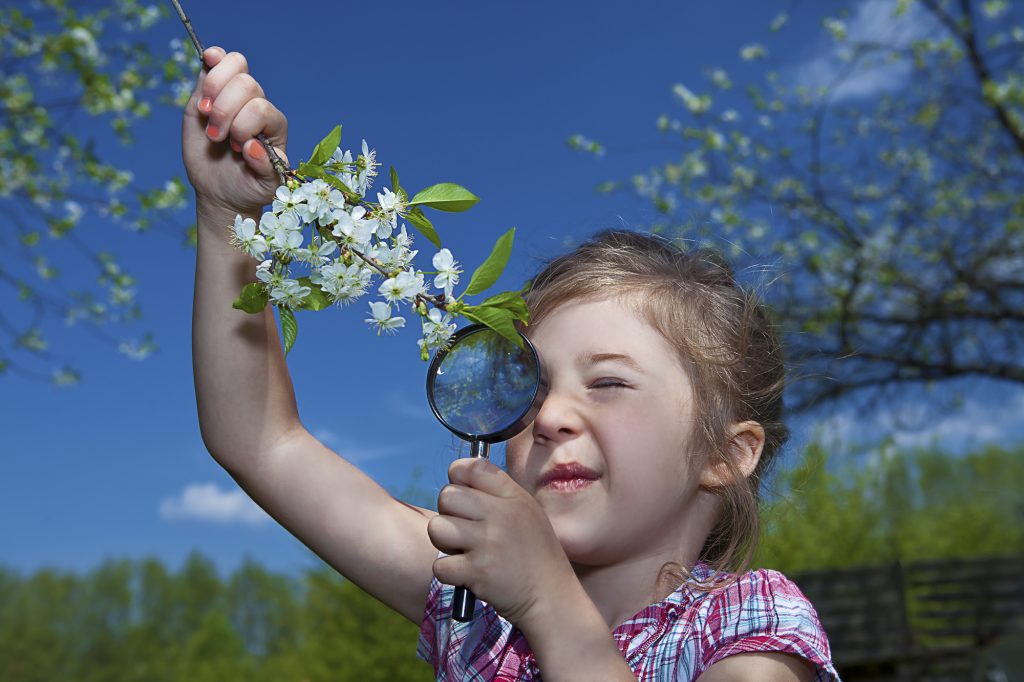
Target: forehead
582,330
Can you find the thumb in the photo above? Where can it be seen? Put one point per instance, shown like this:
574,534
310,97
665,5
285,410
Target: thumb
255,156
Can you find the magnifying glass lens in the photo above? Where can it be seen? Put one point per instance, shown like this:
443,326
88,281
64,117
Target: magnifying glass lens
484,385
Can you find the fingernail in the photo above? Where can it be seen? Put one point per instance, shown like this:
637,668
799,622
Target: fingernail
212,131
257,151
235,146
205,104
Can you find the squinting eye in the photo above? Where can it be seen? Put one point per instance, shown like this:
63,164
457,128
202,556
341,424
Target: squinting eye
607,383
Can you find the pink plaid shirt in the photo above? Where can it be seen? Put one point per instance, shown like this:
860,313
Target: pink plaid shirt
676,639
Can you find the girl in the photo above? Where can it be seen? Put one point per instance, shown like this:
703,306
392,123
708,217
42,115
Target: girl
601,553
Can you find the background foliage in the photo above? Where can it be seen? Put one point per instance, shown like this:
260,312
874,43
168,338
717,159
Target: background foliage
63,64
137,620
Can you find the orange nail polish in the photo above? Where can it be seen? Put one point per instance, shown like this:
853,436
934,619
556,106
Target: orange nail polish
257,151
235,147
212,131
205,104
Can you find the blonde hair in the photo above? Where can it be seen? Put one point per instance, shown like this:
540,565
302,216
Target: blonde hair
725,340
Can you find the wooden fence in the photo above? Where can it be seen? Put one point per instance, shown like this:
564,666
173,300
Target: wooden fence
926,621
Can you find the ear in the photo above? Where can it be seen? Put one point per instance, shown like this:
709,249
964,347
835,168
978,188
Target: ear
746,441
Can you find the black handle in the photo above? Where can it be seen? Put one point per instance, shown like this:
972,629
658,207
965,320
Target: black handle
463,603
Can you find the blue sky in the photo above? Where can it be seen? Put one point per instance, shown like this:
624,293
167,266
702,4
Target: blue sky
483,94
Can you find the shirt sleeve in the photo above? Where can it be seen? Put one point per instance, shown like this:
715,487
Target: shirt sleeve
433,636
766,612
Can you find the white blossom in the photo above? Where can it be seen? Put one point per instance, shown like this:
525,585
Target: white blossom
352,228
367,168
321,200
287,242
290,293
250,242
324,249
382,318
437,329
391,207
265,274
447,271
344,283
271,224
287,199
403,287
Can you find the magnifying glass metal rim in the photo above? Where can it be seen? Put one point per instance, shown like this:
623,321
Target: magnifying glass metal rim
520,422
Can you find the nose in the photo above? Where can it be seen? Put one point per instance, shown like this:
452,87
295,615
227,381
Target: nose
558,418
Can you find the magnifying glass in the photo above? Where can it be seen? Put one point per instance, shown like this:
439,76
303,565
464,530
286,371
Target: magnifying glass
484,389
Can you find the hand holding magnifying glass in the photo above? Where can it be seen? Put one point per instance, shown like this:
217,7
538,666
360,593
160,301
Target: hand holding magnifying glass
485,390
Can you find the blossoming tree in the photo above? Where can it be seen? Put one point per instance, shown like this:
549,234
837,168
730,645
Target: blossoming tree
881,181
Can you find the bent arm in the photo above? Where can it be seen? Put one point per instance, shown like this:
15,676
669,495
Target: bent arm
250,424
247,410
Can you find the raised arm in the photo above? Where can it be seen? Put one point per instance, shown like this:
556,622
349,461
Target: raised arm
247,409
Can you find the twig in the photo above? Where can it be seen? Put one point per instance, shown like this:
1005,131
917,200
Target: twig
279,165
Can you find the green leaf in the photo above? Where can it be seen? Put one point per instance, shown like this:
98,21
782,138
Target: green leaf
289,328
420,221
253,298
491,269
323,150
446,196
498,319
511,301
397,188
315,171
317,299
334,182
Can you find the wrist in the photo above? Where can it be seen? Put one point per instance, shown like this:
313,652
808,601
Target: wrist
211,211
568,635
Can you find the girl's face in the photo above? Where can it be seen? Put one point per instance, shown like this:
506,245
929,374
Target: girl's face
609,455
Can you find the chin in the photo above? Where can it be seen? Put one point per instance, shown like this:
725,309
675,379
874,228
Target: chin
580,544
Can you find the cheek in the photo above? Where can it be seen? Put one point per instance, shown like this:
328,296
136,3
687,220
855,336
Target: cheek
516,450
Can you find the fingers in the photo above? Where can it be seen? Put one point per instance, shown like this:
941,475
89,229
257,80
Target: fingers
453,570
452,535
235,94
463,502
258,116
483,475
211,57
227,67
236,110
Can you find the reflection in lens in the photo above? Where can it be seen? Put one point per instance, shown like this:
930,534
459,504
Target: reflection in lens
484,384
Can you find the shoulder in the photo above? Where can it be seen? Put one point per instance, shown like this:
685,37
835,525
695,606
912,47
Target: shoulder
763,612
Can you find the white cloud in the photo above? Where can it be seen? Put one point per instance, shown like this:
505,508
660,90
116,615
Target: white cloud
207,502
872,22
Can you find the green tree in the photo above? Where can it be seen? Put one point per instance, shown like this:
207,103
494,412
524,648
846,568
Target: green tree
883,178
352,636
34,617
67,67
897,506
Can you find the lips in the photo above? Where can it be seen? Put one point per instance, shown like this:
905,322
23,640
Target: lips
572,475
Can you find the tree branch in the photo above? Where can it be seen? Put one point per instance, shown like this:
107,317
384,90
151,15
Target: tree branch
283,171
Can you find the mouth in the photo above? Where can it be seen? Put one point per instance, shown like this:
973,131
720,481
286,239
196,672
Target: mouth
567,478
